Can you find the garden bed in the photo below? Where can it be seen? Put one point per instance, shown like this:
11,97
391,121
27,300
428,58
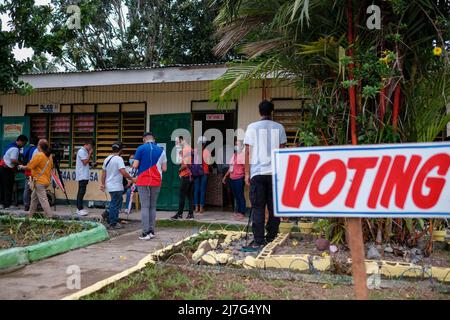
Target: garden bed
177,282
298,243
23,240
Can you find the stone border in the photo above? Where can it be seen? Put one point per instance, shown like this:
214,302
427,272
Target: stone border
301,262
304,262
24,255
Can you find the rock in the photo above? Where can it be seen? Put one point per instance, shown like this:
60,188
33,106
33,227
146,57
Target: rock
388,249
238,262
373,253
205,245
196,257
210,258
322,244
228,251
223,258
249,262
213,243
228,239
333,248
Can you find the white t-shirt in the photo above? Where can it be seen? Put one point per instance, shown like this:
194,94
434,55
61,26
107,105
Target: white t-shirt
11,154
82,171
263,136
113,176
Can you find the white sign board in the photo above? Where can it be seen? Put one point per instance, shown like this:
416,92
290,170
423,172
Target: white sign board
215,117
49,108
398,180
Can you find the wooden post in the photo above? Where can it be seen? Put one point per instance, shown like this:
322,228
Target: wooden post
356,244
355,235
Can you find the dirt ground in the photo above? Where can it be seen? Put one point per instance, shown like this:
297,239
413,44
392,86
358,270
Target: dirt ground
162,282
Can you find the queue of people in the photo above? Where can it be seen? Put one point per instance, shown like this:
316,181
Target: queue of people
145,170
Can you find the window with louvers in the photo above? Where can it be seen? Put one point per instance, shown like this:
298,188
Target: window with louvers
290,113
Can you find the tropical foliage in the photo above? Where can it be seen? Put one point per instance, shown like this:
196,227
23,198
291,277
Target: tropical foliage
390,83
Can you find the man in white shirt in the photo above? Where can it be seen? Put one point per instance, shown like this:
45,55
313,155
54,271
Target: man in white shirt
8,168
82,174
260,139
112,181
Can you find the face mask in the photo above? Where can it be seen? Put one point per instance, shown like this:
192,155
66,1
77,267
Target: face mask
131,161
237,149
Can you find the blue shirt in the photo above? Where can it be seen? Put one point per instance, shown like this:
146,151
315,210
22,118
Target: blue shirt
150,157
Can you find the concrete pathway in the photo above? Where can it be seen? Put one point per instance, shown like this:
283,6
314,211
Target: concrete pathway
213,216
47,279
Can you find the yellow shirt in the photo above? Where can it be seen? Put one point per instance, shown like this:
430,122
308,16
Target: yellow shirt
36,166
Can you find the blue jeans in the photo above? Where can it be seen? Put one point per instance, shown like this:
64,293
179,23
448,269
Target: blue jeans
238,192
200,190
114,206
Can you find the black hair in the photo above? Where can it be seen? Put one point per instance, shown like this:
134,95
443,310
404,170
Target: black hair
447,138
22,138
181,138
266,108
91,142
34,140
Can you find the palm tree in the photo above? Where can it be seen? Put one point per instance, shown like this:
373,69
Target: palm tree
317,43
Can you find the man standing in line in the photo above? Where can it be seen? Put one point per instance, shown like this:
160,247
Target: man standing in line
260,139
150,161
8,168
27,156
187,182
82,174
112,180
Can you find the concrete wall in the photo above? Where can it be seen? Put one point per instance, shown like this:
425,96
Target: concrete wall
162,98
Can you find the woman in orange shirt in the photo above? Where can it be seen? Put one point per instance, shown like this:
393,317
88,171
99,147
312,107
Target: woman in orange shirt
41,166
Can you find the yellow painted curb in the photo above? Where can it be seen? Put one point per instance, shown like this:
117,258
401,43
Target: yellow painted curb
301,262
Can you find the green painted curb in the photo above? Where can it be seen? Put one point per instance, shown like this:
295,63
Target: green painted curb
24,255
13,257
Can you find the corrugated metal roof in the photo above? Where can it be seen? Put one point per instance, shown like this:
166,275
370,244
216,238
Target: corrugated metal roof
187,66
119,76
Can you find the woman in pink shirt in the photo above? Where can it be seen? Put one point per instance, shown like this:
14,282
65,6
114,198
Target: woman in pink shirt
237,178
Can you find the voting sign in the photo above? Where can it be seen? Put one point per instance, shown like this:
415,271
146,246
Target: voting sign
392,180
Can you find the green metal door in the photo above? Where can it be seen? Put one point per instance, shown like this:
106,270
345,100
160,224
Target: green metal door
162,127
10,129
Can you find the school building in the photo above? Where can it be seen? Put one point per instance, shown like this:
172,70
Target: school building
109,105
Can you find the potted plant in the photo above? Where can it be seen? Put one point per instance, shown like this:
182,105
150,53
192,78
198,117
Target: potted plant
286,226
439,230
305,226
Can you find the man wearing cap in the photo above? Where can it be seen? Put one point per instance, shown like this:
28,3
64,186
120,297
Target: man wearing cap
150,161
112,181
